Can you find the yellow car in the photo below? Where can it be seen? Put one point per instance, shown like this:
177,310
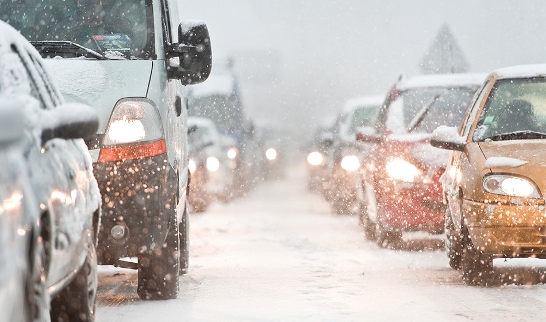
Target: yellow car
496,178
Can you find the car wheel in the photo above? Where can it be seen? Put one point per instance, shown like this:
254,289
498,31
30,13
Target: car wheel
36,293
369,226
184,242
386,236
454,242
158,271
77,301
477,267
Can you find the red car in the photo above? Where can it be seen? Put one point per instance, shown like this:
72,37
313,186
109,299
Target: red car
401,189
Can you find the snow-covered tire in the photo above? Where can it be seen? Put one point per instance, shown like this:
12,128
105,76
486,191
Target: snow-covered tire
477,267
454,242
158,271
77,301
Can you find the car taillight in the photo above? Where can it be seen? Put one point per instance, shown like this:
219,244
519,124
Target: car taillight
133,132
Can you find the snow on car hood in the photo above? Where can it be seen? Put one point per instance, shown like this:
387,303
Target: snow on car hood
100,84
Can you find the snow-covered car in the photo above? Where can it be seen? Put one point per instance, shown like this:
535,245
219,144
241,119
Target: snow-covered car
211,176
347,153
47,177
495,182
401,188
130,60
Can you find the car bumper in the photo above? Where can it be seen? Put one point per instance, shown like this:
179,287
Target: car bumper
508,230
139,195
411,207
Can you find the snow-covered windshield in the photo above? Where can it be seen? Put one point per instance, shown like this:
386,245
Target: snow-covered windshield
514,105
123,26
363,116
447,109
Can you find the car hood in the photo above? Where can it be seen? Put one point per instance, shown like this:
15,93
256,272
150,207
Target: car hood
421,150
100,84
522,157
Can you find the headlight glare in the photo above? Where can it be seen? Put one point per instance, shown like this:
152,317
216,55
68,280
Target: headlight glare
212,164
350,163
232,153
192,166
510,186
315,158
271,154
402,170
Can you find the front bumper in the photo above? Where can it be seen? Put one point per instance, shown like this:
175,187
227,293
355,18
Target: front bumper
508,230
412,207
139,195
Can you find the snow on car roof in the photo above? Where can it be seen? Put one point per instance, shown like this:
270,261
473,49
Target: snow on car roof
374,100
220,82
521,71
442,80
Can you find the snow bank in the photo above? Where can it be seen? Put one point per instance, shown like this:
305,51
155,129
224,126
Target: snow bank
496,162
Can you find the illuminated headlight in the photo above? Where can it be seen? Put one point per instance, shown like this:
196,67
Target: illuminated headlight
133,120
507,185
271,154
315,158
192,166
232,153
402,170
350,163
212,164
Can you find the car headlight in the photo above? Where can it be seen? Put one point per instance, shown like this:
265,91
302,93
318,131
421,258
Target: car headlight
212,164
402,170
232,153
508,185
271,154
350,163
192,166
315,158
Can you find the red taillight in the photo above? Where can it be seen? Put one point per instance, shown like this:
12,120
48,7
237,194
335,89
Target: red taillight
133,151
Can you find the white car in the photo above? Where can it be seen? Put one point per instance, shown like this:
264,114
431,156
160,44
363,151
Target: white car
47,190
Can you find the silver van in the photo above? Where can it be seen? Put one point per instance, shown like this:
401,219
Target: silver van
130,60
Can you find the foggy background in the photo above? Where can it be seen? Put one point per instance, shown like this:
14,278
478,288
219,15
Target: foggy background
298,61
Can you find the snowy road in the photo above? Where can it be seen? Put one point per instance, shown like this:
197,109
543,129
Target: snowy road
279,254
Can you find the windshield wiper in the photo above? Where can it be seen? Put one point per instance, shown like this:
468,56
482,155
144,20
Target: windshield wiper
418,119
517,135
66,49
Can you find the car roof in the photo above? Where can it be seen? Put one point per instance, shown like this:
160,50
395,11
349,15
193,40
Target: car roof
442,80
521,71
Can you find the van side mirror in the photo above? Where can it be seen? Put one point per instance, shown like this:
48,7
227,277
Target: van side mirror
69,121
446,137
194,51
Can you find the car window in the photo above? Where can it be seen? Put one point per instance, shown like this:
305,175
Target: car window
467,124
447,107
514,105
363,116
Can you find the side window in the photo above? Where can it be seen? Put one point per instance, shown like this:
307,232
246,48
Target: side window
467,124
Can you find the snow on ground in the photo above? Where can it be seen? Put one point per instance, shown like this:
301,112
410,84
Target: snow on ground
279,254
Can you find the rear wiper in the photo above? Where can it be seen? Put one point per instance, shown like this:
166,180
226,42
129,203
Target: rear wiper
66,49
517,135
418,119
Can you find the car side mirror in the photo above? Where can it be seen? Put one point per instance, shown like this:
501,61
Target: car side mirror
69,121
11,123
194,51
447,137
367,134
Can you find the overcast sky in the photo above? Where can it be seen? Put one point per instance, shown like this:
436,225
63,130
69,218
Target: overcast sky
298,60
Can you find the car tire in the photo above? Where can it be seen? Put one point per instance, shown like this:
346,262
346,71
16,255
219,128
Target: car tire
158,271
368,225
184,231
77,301
454,242
37,297
477,267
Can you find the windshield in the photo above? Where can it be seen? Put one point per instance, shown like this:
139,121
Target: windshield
224,111
447,107
514,105
363,116
118,27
